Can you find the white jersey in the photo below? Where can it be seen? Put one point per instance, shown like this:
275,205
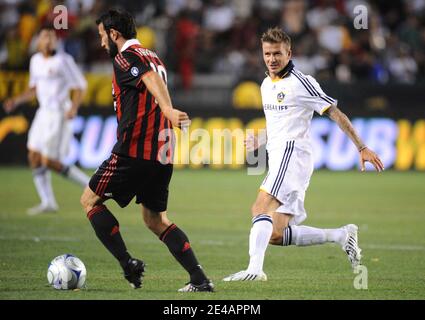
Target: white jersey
53,78
289,104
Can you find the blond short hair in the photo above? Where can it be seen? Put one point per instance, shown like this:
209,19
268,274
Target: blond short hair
276,35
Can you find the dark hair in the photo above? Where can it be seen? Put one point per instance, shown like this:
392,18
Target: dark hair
121,21
276,35
47,26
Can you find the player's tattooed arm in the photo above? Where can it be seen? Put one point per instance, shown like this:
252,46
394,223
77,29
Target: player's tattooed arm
345,124
366,155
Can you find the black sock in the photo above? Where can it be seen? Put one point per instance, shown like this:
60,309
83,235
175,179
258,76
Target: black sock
179,246
107,230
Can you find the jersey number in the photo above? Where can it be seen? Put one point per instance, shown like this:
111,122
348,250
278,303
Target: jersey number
114,98
161,70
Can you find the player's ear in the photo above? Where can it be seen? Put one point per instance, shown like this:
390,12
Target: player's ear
289,53
114,34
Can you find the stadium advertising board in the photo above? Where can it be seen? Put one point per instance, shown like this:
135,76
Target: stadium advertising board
217,141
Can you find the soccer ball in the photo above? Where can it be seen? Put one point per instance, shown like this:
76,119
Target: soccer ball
66,272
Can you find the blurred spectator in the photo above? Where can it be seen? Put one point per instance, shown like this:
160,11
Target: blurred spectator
174,7
232,62
185,47
409,32
268,13
218,16
222,36
16,58
27,23
403,67
294,19
9,15
334,37
206,54
343,71
378,33
320,16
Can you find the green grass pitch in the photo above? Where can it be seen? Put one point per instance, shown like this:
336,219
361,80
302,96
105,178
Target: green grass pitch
213,207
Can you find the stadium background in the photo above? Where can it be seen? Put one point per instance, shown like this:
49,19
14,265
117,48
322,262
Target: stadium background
212,53
214,66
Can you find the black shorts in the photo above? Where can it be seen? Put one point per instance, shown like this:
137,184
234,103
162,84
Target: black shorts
121,178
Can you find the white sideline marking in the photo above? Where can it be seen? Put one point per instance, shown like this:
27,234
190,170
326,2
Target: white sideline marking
69,239
400,247
38,239
212,242
395,247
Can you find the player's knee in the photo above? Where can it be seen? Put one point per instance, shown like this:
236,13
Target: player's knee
52,164
257,209
150,223
155,221
34,159
155,225
276,238
44,161
85,202
152,220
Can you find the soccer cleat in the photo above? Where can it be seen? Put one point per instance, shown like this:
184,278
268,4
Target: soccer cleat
245,276
133,272
42,208
206,286
350,245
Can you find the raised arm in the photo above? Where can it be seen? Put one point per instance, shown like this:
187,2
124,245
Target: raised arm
346,126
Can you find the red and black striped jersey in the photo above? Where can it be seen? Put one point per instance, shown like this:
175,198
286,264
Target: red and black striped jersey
143,131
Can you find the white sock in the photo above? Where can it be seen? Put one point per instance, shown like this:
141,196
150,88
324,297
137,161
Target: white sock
336,235
76,175
307,236
259,237
38,175
47,181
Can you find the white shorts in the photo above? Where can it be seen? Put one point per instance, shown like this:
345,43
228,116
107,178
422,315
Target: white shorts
50,134
288,178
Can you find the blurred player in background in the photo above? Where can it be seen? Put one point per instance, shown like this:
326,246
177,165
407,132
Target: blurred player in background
52,76
140,164
289,101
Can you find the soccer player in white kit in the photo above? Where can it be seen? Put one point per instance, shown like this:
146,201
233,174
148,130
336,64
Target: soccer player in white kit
52,76
289,101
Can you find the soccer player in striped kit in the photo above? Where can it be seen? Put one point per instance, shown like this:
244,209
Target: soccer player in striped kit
289,101
141,161
52,75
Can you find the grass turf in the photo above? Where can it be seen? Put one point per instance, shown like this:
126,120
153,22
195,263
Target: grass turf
213,208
